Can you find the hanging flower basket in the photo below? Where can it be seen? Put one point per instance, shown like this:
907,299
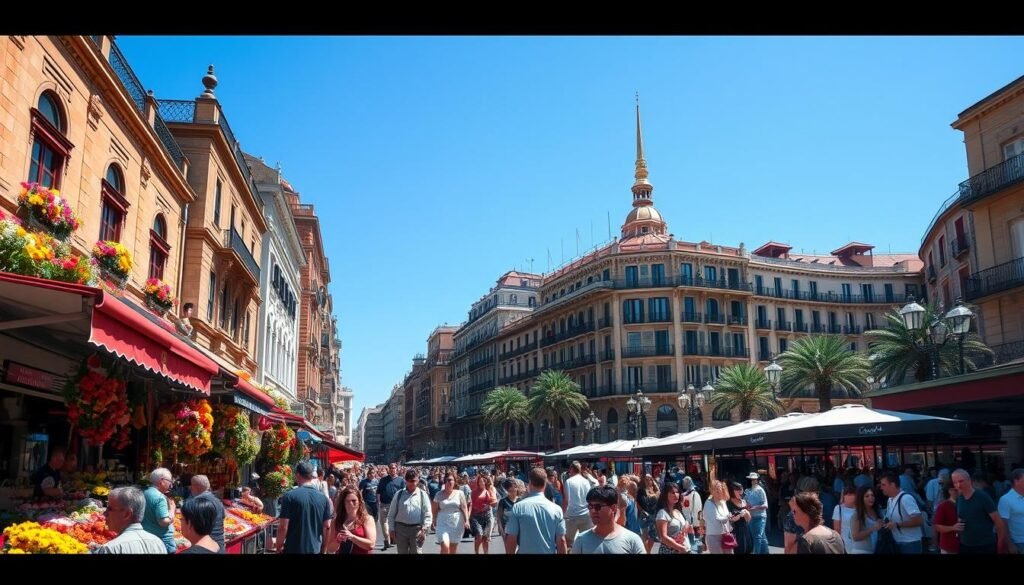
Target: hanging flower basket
98,404
114,263
158,296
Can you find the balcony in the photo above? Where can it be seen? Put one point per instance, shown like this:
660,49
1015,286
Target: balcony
726,284
764,356
609,355
996,279
818,328
234,242
714,318
644,282
480,363
763,324
693,318
599,391
525,375
783,326
960,245
737,320
518,351
604,323
648,351
825,297
693,349
650,387
481,386
834,329
568,333
992,180
851,329
579,362
800,327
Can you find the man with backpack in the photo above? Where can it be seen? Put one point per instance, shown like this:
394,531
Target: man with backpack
902,515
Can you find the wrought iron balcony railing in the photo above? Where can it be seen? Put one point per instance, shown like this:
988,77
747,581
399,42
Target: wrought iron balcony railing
234,241
992,180
648,351
996,279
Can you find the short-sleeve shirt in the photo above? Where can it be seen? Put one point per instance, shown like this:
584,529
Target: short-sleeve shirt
217,534
156,508
977,516
306,510
945,515
625,542
844,516
369,489
900,509
537,523
755,496
1011,509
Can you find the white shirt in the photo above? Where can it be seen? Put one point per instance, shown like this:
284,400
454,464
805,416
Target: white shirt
411,508
692,507
908,509
844,515
134,540
576,488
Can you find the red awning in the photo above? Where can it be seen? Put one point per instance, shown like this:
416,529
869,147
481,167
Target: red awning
336,453
110,323
124,332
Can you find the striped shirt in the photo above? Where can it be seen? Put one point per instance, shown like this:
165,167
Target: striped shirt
134,541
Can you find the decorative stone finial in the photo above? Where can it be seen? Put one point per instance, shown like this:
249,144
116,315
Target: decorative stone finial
209,82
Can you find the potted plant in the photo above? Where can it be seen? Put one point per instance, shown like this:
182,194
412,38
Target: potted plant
47,210
114,262
158,296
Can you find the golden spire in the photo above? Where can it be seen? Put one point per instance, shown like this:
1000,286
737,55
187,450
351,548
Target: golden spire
641,188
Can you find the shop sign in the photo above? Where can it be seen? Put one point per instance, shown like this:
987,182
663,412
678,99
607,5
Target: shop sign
22,375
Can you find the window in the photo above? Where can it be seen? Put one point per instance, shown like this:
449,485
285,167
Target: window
115,206
1017,237
631,276
799,317
606,274
245,333
816,319
778,286
711,308
942,251
762,347
889,296
689,309
868,291
710,274
224,307
759,284
212,298
847,291
158,248
661,342
715,343
783,345
869,321
231,218
658,308
216,205
690,338
851,322
633,311
50,147
531,301
795,286
686,270
657,274
1015,148
813,289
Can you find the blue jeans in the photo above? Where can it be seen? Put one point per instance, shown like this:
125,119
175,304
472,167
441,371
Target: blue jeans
757,525
910,548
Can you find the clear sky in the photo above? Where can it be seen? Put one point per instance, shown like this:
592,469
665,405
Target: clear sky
438,163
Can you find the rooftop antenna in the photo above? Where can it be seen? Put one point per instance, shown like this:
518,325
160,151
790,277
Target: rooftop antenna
530,260
609,225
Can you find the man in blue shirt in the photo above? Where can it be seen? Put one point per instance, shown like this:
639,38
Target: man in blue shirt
535,524
158,518
305,518
758,502
387,487
368,488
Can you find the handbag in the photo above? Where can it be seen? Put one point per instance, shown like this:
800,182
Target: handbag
729,541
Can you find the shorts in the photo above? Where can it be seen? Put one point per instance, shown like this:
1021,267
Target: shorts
480,524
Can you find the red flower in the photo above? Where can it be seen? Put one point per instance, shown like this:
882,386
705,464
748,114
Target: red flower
95,361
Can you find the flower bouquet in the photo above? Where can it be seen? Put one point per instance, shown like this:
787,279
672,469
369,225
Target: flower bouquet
184,428
48,211
278,443
114,262
158,296
276,481
98,403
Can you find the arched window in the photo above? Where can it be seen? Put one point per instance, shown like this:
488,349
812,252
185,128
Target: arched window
711,308
115,205
50,146
613,416
666,421
158,248
666,413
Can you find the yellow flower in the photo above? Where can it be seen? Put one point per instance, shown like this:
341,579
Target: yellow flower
35,199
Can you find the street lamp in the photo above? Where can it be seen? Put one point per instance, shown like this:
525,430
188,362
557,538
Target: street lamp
959,318
773,372
692,401
637,407
592,423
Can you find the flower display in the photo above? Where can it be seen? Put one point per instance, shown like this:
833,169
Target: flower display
158,293
184,428
254,518
276,481
97,402
278,443
232,436
38,254
48,209
113,257
32,538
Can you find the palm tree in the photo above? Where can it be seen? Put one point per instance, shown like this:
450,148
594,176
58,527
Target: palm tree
897,351
554,394
506,406
826,363
745,387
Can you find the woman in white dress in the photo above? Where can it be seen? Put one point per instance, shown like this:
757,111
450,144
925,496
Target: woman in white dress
451,515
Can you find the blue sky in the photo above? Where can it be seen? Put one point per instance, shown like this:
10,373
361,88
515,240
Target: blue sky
438,163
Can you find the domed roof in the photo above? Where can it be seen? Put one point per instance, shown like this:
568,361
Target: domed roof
644,213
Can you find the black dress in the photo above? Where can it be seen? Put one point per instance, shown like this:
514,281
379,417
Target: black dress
741,530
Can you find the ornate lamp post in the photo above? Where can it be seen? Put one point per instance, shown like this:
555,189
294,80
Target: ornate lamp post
959,318
592,423
637,407
692,400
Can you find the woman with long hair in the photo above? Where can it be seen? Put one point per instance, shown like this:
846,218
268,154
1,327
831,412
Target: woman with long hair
740,528
717,519
865,524
353,531
648,498
451,515
670,523
483,500
628,515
